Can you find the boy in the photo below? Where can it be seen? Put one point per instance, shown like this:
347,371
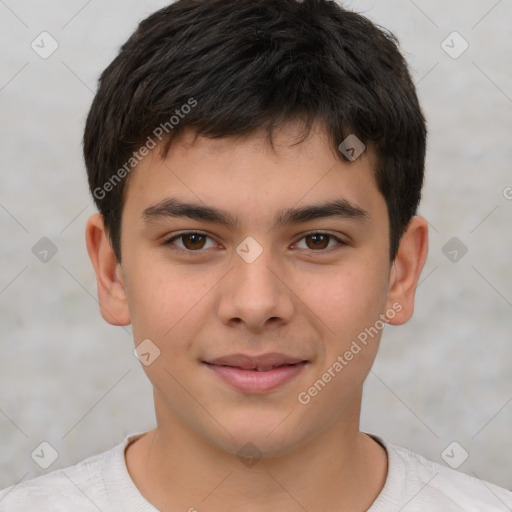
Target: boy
257,166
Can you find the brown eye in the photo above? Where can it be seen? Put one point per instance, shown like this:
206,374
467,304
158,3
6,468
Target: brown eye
317,241
193,241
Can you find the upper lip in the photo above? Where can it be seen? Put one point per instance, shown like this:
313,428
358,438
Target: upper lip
246,362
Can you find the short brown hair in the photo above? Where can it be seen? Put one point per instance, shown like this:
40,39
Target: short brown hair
250,64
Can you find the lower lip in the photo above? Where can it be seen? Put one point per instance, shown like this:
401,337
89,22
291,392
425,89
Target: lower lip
252,381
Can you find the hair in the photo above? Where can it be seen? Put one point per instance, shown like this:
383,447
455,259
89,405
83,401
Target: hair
239,66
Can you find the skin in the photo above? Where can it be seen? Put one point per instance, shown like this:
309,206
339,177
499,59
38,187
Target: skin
307,297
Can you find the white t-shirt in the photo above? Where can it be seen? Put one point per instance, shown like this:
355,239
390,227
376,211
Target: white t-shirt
102,483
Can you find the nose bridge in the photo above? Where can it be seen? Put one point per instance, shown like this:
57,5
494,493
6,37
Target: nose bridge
254,294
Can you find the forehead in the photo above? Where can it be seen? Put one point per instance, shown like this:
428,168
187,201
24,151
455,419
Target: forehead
251,176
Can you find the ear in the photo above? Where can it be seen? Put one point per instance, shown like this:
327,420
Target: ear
406,270
109,275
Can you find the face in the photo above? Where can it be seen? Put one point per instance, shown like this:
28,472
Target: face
232,248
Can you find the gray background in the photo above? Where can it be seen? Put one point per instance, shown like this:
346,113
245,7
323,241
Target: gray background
68,378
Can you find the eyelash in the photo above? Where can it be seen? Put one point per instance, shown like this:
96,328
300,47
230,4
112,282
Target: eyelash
198,252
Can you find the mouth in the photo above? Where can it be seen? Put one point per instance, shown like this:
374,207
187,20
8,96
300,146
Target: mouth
261,362
256,375
257,368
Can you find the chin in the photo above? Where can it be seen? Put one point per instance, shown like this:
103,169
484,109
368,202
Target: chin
260,439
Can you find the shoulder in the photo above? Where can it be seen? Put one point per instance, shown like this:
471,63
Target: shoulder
57,490
421,485
82,487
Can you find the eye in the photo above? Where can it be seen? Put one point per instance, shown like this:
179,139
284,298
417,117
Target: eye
191,241
196,241
319,241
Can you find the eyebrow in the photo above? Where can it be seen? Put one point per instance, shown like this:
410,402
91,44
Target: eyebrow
173,208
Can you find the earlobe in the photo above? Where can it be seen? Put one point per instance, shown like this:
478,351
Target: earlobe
109,275
406,270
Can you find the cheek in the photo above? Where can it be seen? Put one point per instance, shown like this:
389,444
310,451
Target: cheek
349,304
164,301
346,299
168,307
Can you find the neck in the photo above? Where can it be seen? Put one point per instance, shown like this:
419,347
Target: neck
175,468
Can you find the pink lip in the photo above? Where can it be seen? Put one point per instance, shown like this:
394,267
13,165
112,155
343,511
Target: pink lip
254,381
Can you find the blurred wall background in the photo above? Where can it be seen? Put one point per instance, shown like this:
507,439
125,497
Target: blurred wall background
70,379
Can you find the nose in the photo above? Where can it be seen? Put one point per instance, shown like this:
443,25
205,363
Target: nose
255,294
